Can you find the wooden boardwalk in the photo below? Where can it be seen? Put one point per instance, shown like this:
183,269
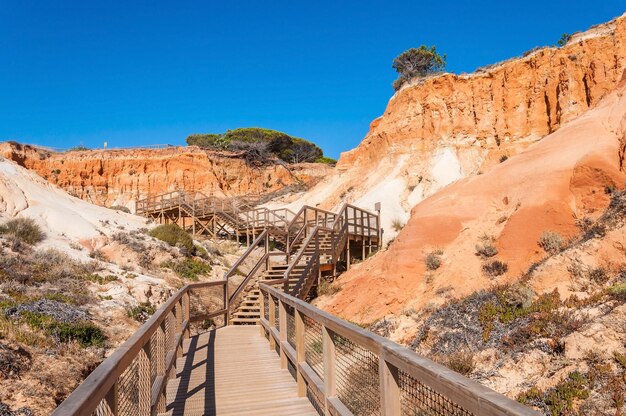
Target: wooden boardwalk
232,371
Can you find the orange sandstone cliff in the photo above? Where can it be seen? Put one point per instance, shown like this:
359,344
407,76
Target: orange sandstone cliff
119,177
441,129
547,187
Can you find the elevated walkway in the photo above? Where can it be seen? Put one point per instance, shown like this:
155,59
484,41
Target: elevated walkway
231,371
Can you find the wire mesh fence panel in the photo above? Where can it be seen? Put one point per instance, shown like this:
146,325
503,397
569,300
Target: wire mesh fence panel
417,399
103,409
276,317
316,399
313,345
292,369
157,354
134,387
266,306
291,326
356,369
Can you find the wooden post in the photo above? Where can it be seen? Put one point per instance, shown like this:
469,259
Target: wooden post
186,301
329,354
272,318
226,303
300,351
282,319
389,388
111,399
262,313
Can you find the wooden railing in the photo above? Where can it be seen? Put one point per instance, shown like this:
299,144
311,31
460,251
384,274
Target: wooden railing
346,370
133,379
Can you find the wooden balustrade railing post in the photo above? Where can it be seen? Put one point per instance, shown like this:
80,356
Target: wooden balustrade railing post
329,358
389,388
111,399
282,334
262,313
226,303
186,302
272,318
300,351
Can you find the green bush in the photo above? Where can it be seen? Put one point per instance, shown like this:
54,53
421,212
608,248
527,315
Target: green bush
23,230
173,235
327,160
78,148
417,63
188,268
141,312
85,333
288,148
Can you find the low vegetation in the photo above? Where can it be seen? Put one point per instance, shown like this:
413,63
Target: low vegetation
188,268
22,231
552,242
173,235
120,208
486,250
495,268
433,260
397,224
141,312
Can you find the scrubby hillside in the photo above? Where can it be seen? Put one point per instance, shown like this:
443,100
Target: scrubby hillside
75,281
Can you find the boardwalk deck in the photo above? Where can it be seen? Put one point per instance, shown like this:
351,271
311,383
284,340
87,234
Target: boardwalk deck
232,371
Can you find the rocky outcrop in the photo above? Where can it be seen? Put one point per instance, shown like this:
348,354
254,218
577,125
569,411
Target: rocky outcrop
119,177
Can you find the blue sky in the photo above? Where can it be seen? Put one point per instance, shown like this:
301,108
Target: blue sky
147,72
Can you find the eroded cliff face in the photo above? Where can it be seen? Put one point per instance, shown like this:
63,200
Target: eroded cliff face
448,127
119,177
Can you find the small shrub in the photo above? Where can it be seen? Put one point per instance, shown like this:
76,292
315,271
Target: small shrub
13,361
486,250
495,268
461,362
78,148
201,251
141,312
120,208
397,224
503,158
598,275
552,242
433,260
101,280
326,288
565,37
173,235
189,268
98,254
24,230
326,160
84,332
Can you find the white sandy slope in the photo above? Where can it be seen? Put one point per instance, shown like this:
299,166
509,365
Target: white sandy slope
64,218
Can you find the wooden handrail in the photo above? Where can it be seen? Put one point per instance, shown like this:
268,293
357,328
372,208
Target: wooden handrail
99,388
448,385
